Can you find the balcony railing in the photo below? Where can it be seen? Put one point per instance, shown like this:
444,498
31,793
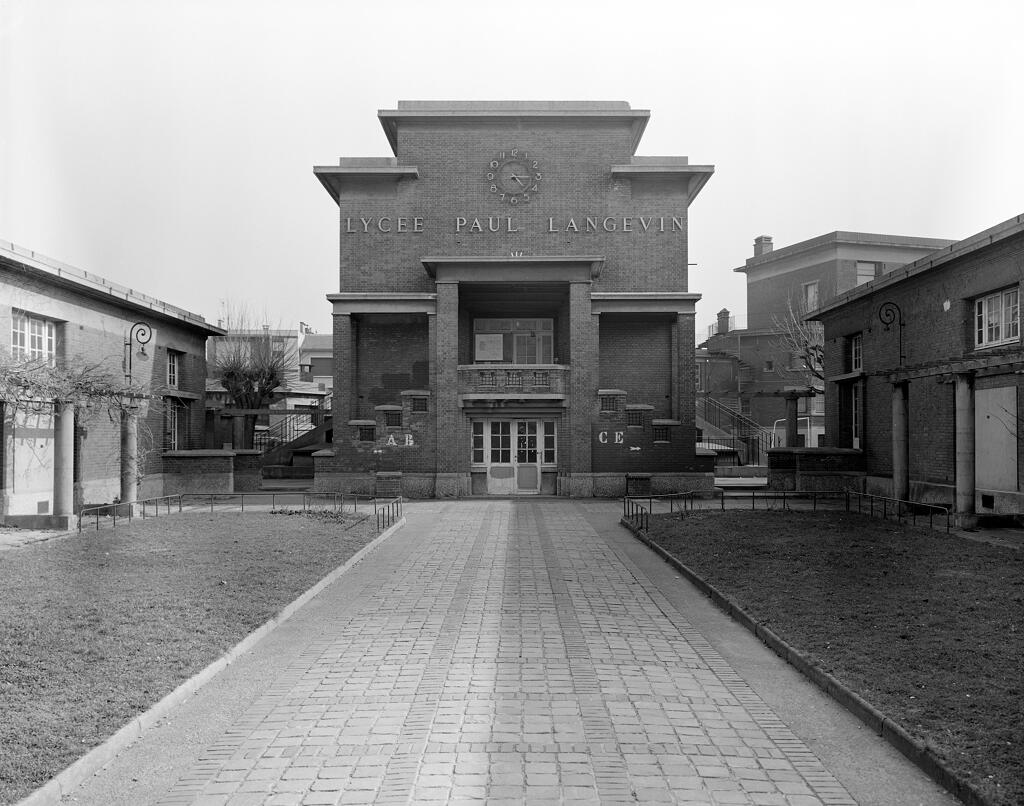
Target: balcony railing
513,379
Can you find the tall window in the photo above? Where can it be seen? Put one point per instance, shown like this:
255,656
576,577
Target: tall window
997,318
32,338
176,420
856,360
699,378
173,368
810,296
856,402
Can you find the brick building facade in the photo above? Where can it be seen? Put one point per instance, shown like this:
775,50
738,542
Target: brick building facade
782,285
56,314
513,313
924,371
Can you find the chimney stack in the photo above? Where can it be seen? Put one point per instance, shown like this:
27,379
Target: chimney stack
723,321
762,245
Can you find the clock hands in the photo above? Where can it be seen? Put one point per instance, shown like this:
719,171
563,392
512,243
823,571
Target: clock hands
518,178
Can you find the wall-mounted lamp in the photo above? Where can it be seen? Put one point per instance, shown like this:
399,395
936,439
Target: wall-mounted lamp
888,314
140,334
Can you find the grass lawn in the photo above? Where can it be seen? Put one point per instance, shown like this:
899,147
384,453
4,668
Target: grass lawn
928,628
96,628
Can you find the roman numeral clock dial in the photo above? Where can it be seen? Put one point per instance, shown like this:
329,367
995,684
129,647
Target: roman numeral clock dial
514,176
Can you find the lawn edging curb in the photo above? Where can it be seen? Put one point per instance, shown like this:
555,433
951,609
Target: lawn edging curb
61,785
918,753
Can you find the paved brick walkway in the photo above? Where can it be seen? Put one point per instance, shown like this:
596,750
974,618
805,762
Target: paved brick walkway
508,654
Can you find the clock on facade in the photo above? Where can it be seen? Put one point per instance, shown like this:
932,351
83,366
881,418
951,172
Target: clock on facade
514,176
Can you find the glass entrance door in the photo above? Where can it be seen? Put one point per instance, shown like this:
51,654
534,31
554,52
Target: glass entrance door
513,469
527,463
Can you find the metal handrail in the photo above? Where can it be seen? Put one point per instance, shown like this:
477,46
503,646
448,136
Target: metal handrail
900,504
388,512
636,513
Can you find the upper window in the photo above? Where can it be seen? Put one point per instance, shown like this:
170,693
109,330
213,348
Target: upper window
866,272
997,318
856,359
32,338
514,341
173,368
810,296
699,378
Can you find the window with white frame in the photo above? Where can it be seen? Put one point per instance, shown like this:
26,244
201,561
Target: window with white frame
997,318
173,368
32,338
176,417
810,296
856,352
700,376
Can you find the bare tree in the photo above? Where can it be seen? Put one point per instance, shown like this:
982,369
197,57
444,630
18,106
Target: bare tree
250,363
804,342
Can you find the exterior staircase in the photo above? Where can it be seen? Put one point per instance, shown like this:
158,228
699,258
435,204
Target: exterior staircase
723,425
288,445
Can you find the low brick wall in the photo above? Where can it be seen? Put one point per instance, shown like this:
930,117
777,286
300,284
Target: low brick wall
248,471
815,469
198,472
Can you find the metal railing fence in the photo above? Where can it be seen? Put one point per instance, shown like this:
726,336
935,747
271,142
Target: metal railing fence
637,509
387,512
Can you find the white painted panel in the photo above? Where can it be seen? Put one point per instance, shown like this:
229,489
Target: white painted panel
995,438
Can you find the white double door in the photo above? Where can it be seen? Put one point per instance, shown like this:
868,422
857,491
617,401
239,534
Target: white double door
513,457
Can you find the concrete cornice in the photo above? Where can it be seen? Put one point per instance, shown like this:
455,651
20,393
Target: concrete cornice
528,268
470,112
666,169
644,302
358,172
382,302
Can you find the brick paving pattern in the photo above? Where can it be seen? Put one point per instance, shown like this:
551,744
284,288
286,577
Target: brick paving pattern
504,652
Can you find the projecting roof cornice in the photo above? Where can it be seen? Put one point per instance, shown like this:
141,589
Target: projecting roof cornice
674,302
487,112
528,268
382,302
666,170
362,172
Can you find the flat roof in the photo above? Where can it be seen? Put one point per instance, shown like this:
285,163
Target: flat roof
512,110
842,237
98,287
954,251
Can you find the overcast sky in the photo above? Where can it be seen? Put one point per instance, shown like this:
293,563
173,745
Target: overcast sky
169,145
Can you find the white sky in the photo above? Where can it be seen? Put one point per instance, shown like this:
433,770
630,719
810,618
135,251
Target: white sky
168,145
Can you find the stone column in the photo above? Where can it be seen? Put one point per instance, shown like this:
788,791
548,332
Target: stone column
446,362
64,459
965,473
900,442
792,421
129,453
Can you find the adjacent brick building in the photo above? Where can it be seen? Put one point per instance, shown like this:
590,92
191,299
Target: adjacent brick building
54,457
513,314
782,286
924,371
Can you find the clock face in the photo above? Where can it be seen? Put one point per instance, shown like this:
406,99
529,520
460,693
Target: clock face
513,176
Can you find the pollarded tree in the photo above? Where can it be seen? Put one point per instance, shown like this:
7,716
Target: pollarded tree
250,363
